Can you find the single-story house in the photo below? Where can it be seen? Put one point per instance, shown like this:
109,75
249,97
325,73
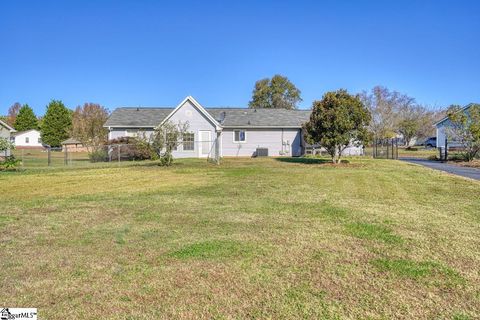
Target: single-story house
239,131
5,132
230,132
442,129
73,145
29,139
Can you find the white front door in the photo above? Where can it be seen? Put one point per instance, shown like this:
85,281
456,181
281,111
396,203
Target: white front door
205,143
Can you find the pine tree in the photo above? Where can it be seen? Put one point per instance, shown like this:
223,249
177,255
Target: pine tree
56,124
25,119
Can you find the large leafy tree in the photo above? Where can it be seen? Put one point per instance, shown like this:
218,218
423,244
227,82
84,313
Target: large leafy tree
87,125
56,124
464,128
337,121
26,119
277,92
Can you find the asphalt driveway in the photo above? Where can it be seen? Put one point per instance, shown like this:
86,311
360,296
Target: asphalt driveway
471,173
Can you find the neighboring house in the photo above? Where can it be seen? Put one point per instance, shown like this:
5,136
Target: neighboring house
73,145
5,133
239,131
442,129
29,139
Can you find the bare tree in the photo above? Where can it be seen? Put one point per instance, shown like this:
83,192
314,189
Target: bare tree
87,125
12,113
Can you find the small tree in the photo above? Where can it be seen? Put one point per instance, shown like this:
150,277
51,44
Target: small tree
337,121
26,119
56,124
166,138
5,145
87,125
277,92
464,128
408,128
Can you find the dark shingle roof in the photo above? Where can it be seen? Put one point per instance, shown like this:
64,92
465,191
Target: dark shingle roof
71,141
142,117
260,117
228,117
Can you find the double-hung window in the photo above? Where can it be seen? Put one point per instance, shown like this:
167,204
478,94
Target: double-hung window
131,133
239,136
188,141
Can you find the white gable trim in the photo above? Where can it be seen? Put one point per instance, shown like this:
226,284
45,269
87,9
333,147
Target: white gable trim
19,133
198,107
7,126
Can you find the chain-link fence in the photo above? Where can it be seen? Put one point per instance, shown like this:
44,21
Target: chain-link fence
383,149
63,157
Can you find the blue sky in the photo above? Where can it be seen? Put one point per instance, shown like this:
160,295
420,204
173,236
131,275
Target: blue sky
154,53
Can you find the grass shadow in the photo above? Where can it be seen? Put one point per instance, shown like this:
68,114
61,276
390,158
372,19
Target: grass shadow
303,160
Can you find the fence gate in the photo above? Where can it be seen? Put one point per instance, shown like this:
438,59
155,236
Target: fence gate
385,148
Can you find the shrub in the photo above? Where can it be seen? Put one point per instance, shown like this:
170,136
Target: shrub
131,149
166,160
10,163
98,156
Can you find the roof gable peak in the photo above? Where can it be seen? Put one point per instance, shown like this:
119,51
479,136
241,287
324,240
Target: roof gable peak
196,105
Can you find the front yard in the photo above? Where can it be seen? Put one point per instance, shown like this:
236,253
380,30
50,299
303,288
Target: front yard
251,238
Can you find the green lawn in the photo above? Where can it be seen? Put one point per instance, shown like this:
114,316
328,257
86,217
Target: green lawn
251,238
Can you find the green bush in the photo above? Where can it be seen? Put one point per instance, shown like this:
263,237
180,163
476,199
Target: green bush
98,156
132,149
10,163
166,160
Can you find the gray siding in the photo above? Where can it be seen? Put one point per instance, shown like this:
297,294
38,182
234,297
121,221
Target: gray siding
4,133
116,133
263,138
196,122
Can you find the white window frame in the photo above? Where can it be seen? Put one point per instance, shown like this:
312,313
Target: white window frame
132,133
27,140
245,134
193,142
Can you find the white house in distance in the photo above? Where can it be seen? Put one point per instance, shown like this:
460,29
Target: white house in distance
5,133
442,129
233,131
29,139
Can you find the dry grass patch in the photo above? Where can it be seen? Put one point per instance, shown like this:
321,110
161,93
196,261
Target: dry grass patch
251,238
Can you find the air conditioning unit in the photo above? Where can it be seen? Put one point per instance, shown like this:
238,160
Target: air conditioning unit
261,152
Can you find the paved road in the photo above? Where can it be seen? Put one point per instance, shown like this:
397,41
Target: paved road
471,173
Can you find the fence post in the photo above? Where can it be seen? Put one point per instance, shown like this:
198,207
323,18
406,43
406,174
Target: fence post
446,149
49,150
393,144
118,151
396,148
65,156
388,151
